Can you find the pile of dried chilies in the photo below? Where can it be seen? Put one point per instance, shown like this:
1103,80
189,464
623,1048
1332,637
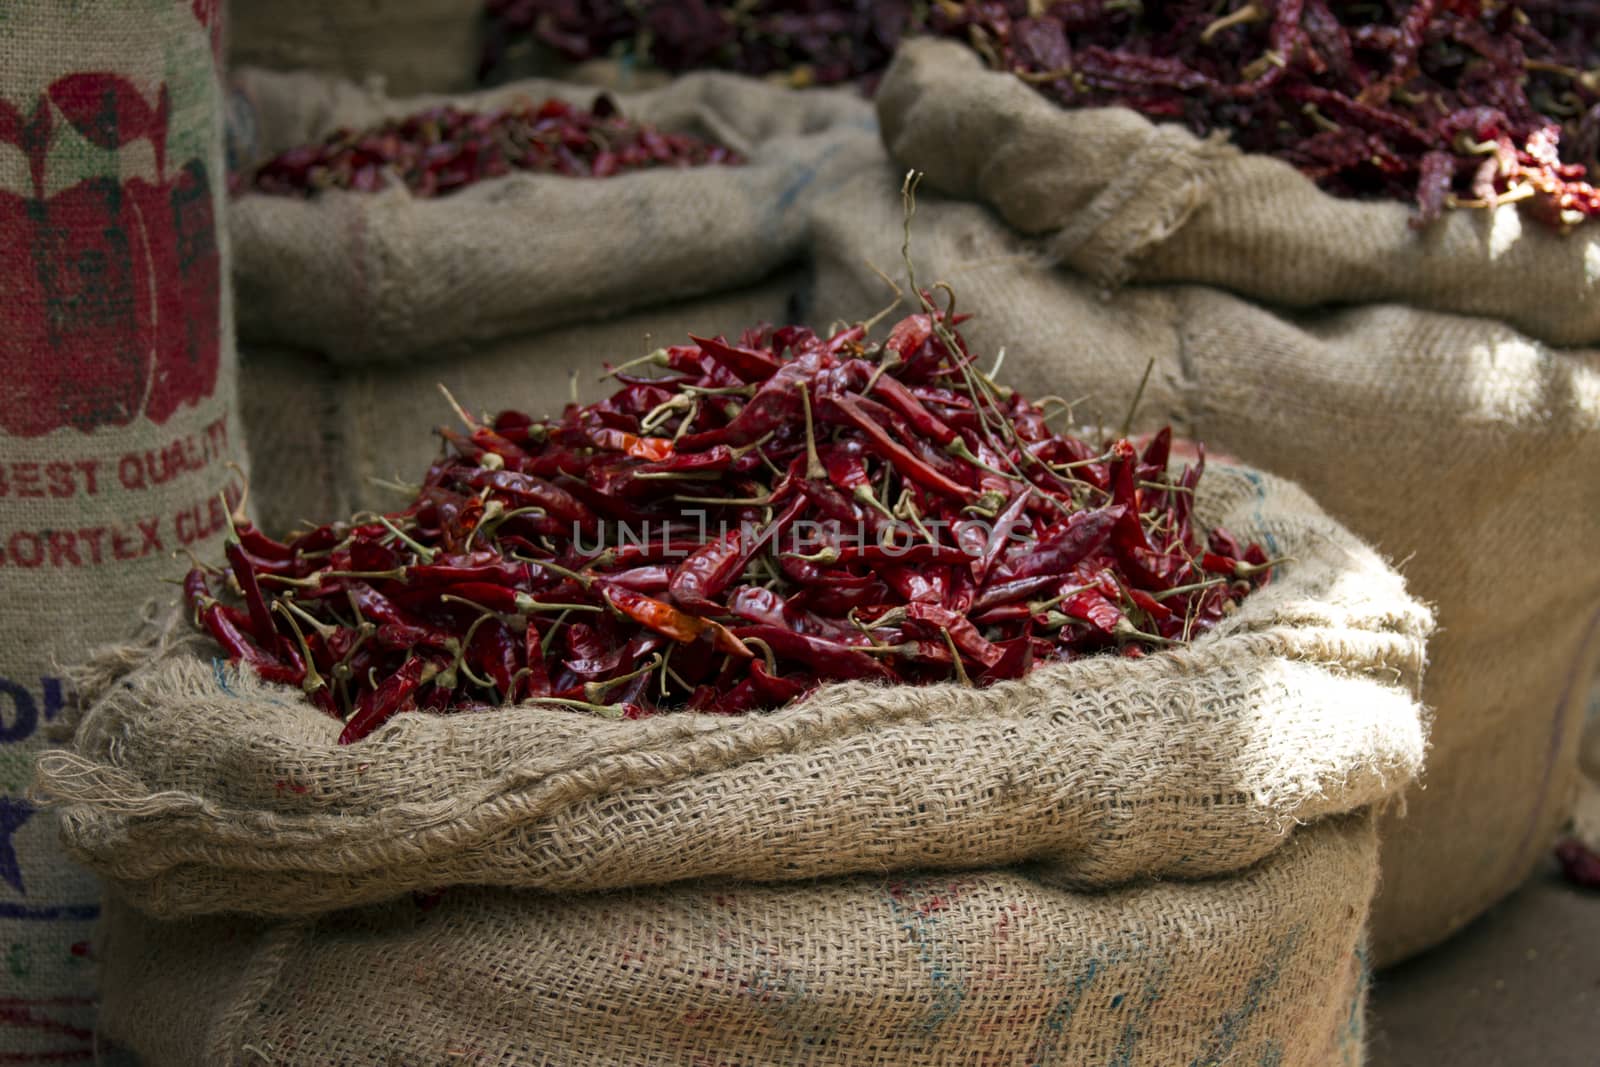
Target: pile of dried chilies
764,517
809,42
1443,102
444,149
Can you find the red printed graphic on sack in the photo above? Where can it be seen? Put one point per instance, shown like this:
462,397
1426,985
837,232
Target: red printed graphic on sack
113,284
209,14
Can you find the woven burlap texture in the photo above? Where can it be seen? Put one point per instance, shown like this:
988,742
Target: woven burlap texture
194,789
117,417
364,277
408,46
1395,386
995,967
1123,199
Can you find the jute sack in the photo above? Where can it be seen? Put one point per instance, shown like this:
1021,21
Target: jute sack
116,411
196,790
996,967
1323,340
355,306
1590,756
412,46
327,436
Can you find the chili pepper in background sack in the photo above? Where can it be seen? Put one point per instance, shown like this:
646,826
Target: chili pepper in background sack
1443,104
445,149
648,554
809,43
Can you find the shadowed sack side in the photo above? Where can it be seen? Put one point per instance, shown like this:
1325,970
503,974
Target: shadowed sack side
1412,382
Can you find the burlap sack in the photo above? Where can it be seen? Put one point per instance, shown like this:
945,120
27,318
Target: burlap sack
116,419
999,967
373,277
330,436
1589,757
354,307
196,790
413,46
1455,444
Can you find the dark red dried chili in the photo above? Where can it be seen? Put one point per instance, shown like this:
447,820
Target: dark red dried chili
445,149
808,42
654,552
1440,102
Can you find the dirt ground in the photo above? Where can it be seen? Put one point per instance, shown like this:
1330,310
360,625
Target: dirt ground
1521,986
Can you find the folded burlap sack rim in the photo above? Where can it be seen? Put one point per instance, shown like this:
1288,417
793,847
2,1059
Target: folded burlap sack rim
386,276
196,788
1120,199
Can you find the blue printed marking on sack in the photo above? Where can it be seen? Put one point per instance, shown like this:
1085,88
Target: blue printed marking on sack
1133,1029
1350,1039
218,665
1261,494
916,909
1049,1044
14,811
1234,1024
21,721
783,991
798,183
1055,1023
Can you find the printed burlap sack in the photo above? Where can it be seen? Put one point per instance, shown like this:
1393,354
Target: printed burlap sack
194,789
413,46
1325,340
116,418
997,967
355,306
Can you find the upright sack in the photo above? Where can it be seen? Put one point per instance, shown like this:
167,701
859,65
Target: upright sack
360,304
116,412
1239,769
1408,380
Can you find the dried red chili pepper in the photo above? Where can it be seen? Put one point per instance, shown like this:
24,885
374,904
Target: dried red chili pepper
1062,546
946,533
1399,100
666,619
813,43
229,631
377,706
700,579
831,659
444,149
1394,99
